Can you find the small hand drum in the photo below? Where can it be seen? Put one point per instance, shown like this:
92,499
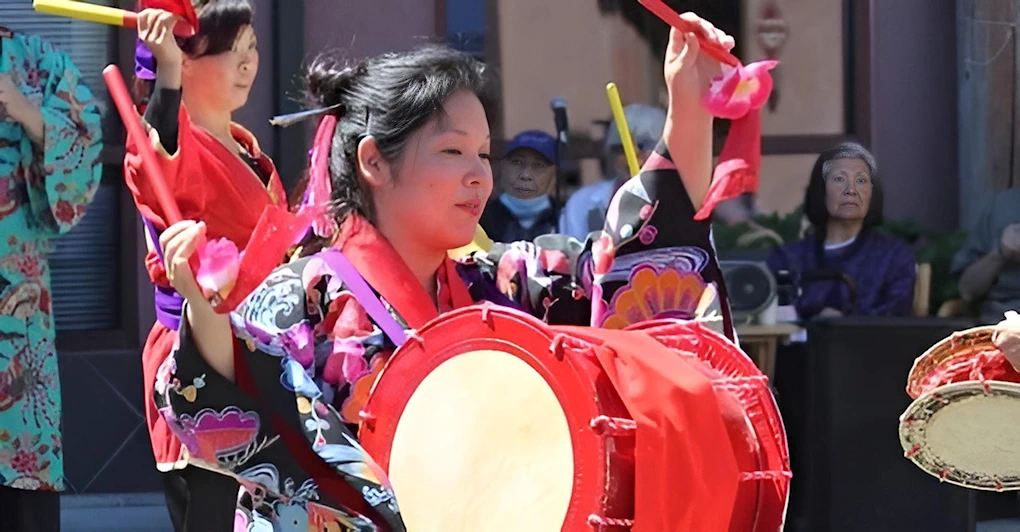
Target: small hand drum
963,424
490,420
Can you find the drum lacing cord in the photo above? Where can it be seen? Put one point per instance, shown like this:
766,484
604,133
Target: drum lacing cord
977,366
562,342
765,475
740,383
598,522
613,426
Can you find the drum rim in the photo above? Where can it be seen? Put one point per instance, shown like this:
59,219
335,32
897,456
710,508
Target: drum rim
774,443
589,478
914,420
978,338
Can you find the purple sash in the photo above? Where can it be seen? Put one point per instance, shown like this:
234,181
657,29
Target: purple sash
169,304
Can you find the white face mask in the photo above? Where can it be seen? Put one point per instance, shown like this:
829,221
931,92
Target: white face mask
526,211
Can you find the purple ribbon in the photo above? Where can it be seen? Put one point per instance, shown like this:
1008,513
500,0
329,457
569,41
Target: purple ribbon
169,304
363,293
145,63
169,307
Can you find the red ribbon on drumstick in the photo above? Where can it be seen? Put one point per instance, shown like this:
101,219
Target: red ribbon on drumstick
276,231
738,95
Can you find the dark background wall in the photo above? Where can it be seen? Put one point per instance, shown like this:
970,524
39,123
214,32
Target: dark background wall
913,108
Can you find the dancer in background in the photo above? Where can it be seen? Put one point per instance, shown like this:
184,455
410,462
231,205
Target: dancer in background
50,140
406,148
218,176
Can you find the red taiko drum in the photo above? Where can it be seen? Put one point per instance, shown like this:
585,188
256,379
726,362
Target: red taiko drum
488,419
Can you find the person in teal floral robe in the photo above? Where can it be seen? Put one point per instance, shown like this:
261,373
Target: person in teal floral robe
50,141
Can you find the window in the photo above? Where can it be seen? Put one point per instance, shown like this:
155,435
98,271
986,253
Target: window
465,26
86,264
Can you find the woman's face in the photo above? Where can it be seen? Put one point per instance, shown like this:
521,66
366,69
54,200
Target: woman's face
848,189
435,194
224,80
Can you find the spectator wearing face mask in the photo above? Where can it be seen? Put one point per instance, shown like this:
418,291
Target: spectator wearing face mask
524,210
585,211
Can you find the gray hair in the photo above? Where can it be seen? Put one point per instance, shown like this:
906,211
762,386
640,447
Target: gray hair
851,150
646,123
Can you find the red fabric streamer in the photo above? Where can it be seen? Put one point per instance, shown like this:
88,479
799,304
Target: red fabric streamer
739,164
681,435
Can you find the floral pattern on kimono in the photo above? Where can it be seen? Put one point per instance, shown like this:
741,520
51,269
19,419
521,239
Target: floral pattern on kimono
44,192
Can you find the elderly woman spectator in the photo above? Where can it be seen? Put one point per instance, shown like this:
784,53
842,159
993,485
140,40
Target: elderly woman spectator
843,266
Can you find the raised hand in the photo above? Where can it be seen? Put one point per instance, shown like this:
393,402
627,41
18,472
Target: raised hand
156,30
1007,338
688,131
179,243
688,72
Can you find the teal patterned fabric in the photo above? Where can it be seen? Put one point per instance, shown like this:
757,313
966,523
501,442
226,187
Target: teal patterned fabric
44,191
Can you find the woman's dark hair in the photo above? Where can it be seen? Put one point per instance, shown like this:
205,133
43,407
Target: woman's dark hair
814,197
219,24
387,97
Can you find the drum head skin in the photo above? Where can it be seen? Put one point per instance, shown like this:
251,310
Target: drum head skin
501,420
967,434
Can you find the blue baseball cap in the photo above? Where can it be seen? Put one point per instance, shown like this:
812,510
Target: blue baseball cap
534,139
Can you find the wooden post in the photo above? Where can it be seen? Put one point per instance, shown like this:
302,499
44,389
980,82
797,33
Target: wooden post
988,56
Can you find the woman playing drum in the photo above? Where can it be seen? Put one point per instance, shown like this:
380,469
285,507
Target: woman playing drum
407,149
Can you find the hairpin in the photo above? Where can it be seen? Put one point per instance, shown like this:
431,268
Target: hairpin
300,116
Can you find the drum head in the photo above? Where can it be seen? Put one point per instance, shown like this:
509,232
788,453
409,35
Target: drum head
966,434
480,427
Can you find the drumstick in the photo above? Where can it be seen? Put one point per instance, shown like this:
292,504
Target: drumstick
621,125
101,14
126,108
667,15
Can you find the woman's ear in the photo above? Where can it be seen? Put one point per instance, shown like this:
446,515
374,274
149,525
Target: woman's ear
372,166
